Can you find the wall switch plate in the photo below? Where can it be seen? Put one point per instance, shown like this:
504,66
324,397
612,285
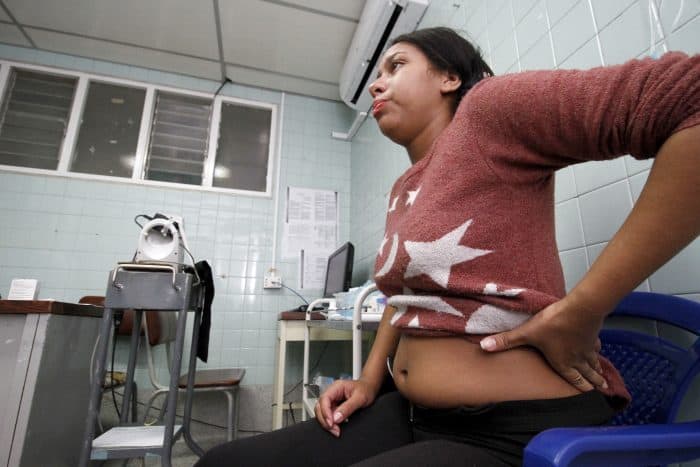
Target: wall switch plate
272,280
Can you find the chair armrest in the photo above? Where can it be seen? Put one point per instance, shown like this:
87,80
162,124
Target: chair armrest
615,445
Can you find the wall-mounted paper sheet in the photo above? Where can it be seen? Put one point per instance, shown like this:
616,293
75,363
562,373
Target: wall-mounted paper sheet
311,221
312,265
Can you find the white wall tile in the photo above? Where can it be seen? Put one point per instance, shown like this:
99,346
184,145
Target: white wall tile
637,183
635,166
457,18
558,8
504,56
604,210
573,31
627,36
670,9
476,21
605,10
539,57
596,174
564,185
595,250
569,232
574,265
588,56
687,38
681,275
532,27
493,7
501,26
522,7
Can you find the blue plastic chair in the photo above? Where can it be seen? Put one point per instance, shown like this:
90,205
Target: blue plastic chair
658,374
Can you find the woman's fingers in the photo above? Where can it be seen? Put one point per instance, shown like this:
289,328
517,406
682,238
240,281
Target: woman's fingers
593,376
326,403
584,375
323,411
594,362
347,408
574,377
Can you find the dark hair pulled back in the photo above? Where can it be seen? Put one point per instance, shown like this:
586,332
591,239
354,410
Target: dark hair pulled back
448,51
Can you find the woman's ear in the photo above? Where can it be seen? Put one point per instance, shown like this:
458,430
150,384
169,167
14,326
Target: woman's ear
450,83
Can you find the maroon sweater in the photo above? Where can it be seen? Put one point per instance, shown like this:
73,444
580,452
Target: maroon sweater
470,244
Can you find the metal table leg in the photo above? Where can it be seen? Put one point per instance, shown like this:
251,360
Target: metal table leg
172,393
131,367
192,368
98,376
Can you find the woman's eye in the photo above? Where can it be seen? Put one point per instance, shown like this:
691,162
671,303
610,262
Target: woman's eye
395,65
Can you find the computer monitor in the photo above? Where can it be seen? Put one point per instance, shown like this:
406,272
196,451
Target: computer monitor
339,270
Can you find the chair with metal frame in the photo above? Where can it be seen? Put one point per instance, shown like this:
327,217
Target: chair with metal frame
225,380
659,372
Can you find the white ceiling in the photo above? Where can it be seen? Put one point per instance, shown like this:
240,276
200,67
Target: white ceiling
291,45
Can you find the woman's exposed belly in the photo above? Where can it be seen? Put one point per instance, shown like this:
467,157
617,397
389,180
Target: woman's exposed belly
443,372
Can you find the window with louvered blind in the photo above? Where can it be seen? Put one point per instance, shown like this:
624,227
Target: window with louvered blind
35,113
179,137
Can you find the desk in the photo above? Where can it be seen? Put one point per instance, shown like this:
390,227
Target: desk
45,350
292,330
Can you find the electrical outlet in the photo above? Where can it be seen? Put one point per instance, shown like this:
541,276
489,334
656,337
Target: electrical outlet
272,280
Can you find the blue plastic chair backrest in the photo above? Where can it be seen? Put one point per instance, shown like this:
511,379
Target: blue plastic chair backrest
656,371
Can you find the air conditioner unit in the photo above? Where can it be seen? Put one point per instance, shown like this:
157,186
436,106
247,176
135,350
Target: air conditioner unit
381,21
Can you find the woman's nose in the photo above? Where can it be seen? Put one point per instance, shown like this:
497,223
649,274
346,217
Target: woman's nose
376,87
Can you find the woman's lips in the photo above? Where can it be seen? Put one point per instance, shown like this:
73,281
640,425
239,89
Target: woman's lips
377,107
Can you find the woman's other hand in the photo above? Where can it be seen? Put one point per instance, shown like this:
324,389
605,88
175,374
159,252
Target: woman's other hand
663,221
566,333
340,400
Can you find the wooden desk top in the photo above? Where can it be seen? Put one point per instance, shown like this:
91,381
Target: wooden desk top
298,315
24,307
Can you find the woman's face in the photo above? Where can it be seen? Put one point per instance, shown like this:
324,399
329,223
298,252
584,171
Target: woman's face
409,93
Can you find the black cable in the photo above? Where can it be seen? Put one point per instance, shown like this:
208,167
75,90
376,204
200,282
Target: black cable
141,215
295,292
318,361
223,83
200,421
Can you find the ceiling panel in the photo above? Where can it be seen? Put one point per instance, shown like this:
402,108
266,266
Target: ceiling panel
12,35
282,83
284,39
346,8
4,17
182,26
125,54
291,45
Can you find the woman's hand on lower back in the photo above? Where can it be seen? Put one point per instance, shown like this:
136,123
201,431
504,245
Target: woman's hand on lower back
566,333
340,400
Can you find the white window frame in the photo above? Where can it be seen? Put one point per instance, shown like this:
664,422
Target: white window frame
137,177
214,127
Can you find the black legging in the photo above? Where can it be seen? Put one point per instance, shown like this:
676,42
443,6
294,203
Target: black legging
384,435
